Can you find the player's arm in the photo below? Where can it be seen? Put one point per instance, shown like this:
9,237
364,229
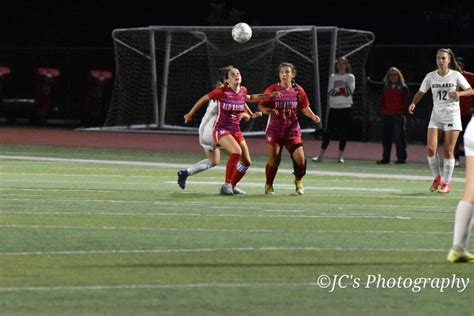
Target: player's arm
310,114
461,93
267,110
246,114
189,116
251,114
262,96
418,96
262,104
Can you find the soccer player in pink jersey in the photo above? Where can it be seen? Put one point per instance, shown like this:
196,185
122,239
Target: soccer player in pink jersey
231,98
283,128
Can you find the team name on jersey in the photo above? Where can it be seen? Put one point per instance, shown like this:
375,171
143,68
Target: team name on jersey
232,107
286,105
442,85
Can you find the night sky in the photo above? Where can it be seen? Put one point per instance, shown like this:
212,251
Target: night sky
86,23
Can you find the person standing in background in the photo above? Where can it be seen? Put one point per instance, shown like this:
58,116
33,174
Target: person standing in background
394,109
340,90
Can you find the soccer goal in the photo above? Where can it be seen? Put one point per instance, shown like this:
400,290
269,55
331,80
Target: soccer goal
161,71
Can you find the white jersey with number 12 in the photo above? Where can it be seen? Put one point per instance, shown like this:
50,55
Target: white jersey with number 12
445,107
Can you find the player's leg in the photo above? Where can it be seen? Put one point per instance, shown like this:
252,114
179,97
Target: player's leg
450,138
271,169
299,165
241,167
232,147
433,158
198,167
213,154
465,209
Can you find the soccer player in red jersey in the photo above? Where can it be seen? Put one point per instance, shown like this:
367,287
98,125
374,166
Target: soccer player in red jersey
283,128
231,98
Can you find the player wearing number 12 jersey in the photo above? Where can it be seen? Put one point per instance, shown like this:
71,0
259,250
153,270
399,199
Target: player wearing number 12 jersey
447,84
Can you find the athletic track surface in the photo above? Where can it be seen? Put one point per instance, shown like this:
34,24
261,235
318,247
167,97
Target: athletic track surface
182,143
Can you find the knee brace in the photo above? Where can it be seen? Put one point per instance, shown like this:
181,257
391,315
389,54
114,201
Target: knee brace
294,147
299,171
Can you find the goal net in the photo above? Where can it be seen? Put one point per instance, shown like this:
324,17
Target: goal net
161,71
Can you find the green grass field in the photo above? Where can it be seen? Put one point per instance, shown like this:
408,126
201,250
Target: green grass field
109,232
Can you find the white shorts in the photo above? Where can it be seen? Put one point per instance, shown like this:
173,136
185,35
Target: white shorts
469,139
455,125
205,134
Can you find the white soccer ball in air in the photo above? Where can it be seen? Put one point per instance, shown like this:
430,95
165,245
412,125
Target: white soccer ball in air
241,32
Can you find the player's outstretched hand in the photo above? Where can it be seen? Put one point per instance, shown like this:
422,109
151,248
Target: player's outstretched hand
244,116
276,94
273,112
257,114
188,118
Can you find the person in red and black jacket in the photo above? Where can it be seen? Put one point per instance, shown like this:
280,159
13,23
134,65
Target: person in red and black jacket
394,109
465,103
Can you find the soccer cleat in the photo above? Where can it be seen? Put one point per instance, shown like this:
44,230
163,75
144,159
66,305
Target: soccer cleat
317,159
436,183
340,160
457,163
269,189
182,176
383,162
445,188
236,190
226,189
455,256
299,187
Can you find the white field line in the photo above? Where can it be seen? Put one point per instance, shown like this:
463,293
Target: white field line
292,186
255,169
428,197
202,183
207,250
211,204
175,229
292,216
154,286
76,175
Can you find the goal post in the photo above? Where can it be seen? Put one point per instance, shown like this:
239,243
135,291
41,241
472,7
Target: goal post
161,71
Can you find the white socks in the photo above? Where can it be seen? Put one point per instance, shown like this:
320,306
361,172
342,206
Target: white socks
448,170
200,166
433,162
463,224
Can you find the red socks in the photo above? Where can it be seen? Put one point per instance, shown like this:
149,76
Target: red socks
231,166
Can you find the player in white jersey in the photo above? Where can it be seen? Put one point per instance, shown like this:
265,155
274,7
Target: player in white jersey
465,209
447,84
207,143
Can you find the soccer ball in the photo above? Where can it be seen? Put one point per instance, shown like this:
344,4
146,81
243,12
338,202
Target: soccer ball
241,32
